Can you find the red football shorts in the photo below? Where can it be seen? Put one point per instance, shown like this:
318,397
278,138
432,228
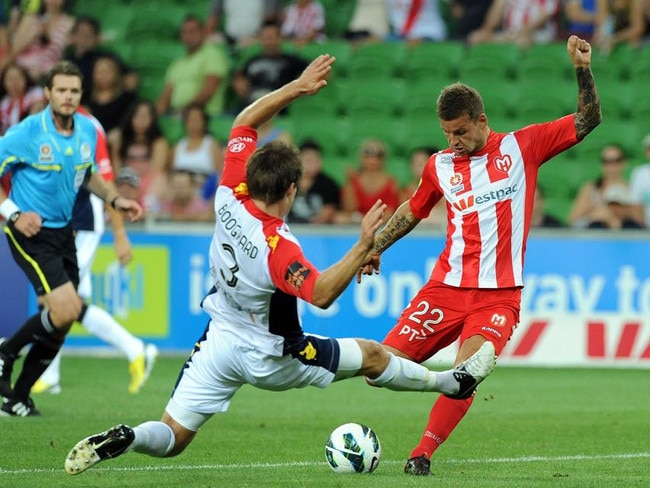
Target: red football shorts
439,314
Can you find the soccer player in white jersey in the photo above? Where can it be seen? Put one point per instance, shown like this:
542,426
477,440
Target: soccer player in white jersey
488,180
88,223
259,270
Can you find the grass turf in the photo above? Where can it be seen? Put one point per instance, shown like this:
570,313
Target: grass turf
527,428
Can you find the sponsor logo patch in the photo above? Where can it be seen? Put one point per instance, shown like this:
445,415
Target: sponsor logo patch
297,274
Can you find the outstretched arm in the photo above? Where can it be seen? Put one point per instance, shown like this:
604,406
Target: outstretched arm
401,223
312,79
588,115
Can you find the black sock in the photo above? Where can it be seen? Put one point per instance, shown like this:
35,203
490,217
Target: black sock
38,325
39,357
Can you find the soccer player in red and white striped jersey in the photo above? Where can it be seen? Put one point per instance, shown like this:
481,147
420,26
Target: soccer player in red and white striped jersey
488,180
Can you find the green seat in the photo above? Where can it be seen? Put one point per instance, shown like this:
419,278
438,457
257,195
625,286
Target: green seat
490,61
324,104
422,132
433,60
388,130
155,56
499,99
377,60
368,98
548,62
540,101
340,49
330,132
338,14
220,127
151,22
172,128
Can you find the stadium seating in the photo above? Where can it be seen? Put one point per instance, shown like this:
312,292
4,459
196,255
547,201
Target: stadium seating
339,48
433,61
377,60
372,98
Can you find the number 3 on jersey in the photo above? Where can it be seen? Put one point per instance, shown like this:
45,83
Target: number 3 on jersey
232,281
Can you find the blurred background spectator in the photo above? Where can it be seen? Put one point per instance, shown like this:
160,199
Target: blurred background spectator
368,183
369,21
640,182
416,20
84,51
467,15
40,39
523,22
319,197
141,146
182,202
606,202
619,21
197,152
19,96
128,184
108,100
268,70
237,22
579,17
303,21
198,77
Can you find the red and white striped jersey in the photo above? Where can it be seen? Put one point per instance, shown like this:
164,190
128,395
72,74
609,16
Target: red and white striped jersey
489,203
257,265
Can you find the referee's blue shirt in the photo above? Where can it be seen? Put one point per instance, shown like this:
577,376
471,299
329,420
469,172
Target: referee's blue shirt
47,167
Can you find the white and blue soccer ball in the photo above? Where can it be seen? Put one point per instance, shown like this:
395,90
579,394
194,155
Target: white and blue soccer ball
353,448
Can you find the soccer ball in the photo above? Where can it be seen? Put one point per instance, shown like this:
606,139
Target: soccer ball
353,448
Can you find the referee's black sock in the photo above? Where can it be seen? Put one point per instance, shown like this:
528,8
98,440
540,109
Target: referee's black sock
38,325
39,357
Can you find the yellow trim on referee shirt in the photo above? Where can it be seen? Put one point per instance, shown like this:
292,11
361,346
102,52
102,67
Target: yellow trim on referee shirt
10,159
28,258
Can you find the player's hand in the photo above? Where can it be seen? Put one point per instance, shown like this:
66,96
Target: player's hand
371,222
579,51
313,78
370,265
130,207
29,224
122,247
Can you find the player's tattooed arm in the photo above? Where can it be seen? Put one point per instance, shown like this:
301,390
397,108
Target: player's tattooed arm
400,224
588,115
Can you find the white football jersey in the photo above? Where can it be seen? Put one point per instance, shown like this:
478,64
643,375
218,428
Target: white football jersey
257,265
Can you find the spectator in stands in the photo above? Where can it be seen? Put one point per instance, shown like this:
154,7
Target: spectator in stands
269,70
318,198
19,96
523,22
40,39
369,183
303,21
183,202
241,19
416,20
198,77
84,51
128,184
640,182
606,202
619,21
198,152
109,101
539,217
417,159
580,17
141,146
467,16
269,131
369,21
4,34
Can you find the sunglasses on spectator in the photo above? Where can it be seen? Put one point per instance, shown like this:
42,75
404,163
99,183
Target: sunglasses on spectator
618,159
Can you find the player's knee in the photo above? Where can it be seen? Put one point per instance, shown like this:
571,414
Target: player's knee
375,358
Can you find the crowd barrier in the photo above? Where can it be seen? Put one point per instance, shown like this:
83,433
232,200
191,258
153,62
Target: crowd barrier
586,300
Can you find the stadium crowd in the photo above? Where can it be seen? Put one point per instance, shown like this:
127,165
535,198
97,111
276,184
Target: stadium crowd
167,89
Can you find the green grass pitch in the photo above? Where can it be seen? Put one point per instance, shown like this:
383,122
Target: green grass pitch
528,428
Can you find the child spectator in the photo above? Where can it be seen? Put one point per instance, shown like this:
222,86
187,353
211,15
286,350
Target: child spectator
304,22
183,202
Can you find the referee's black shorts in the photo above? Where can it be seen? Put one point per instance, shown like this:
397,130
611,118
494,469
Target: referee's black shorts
49,259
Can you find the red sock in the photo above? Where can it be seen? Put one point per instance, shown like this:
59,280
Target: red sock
443,419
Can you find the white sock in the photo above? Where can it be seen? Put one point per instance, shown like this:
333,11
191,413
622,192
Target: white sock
52,375
404,375
102,324
153,438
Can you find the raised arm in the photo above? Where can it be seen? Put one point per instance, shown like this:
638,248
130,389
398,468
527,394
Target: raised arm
588,115
312,79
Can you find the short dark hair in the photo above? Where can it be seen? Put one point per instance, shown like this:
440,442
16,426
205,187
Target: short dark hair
62,68
271,170
457,100
91,21
310,145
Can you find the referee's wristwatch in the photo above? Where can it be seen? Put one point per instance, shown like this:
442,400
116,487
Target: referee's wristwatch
14,216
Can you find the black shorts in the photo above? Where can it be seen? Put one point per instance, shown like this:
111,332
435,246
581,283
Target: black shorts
49,259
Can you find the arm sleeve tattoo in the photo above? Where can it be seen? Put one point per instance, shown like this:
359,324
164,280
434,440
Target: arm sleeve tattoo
588,115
